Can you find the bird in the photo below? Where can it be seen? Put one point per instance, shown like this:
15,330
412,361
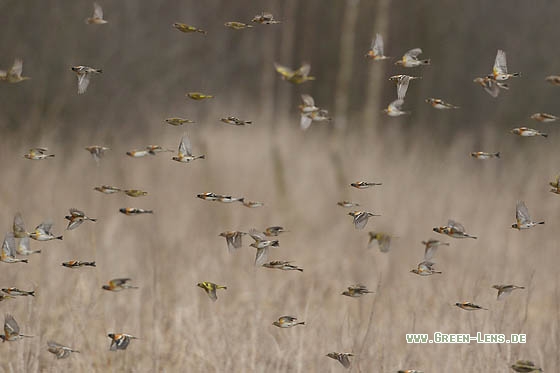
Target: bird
8,254
485,155
118,284
453,229
468,306
18,293
500,71
364,184
120,341
522,217
134,211
342,357
425,268
97,151
43,232
11,330
361,218
184,153
438,103
356,291
135,193
410,59
274,231
525,366
311,113
18,226
298,76
187,28
553,79
210,289
237,25
235,121
233,239
544,117
347,204
107,189
38,154
252,204
394,108
262,245
283,265
208,196
84,74
505,290
376,51
76,218
60,351
527,132
383,240
491,86
139,153
77,264
178,121
198,96
97,18
24,249
13,75
265,19
287,322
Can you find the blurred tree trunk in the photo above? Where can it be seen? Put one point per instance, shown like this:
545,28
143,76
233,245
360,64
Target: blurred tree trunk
346,55
376,73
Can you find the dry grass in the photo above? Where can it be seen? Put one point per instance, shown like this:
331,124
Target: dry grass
166,254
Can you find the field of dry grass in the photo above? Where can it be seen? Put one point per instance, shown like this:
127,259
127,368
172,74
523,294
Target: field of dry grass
300,177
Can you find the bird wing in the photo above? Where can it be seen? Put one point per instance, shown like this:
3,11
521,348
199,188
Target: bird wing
76,213
308,100
457,226
492,88
11,326
17,67
19,225
402,87
305,121
230,244
236,241
377,45
23,246
397,104
261,257
9,244
384,243
361,220
283,70
83,82
185,146
344,360
45,227
304,70
413,53
256,235
97,11
500,64
522,213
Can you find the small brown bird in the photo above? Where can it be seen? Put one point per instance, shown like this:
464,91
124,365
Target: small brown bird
120,341
491,86
97,151
18,293
505,290
342,357
237,25
77,264
134,211
208,196
525,366
410,59
265,19
84,73
361,218
553,79
283,265
527,132
11,330
76,218
262,245
178,121
119,284
468,306
107,189
356,291
235,121
198,96
453,229
233,239
187,29
13,75
287,322
274,231
135,192
364,184
298,76
544,117
184,153
60,351
8,253
485,155
347,204
383,240
97,18
37,154
210,289
438,103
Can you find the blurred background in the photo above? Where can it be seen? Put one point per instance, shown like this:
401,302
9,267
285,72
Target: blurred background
422,159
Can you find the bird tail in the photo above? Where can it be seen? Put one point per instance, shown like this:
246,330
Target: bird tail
426,62
497,155
32,293
24,261
516,74
93,220
222,287
540,222
91,264
275,243
59,238
544,134
202,156
99,71
471,236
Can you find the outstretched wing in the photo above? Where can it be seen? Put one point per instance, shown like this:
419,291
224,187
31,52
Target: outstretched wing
97,11
522,213
83,82
9,245
402,87
305,121
308,100
185,147
377,45
500,64
413,54
457,226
